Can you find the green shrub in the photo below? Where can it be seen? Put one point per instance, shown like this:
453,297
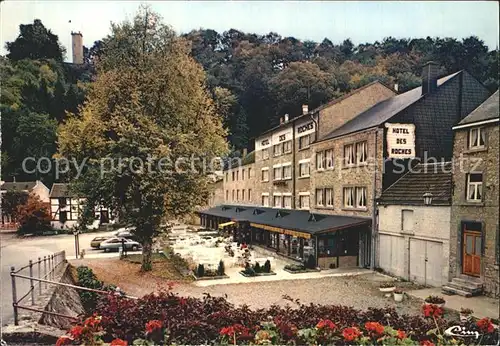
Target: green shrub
200,272
86,278
267,266
221,270
257,267
249,271
295,267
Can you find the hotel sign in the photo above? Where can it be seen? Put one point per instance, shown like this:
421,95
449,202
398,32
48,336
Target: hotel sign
304,128
262,143
282,136
400,141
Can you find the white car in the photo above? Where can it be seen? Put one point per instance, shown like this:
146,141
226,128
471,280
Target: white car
115,243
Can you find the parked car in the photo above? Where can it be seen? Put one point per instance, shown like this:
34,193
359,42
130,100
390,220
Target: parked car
127,235
115,243
96,242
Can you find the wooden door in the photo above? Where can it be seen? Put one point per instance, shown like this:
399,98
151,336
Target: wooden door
471,259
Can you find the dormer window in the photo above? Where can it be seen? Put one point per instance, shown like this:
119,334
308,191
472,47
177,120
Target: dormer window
477,138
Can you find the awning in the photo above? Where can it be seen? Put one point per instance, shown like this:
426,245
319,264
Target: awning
222,225
282,231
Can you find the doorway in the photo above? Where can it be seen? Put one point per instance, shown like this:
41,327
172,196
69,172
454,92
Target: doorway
471,252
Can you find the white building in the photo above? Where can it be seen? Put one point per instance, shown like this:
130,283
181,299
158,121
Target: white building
414,225
65,209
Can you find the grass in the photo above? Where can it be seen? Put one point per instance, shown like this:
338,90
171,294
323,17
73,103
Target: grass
137,258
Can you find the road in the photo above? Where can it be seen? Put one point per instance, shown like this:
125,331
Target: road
18,251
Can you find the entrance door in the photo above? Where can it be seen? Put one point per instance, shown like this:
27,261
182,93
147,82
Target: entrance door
471,258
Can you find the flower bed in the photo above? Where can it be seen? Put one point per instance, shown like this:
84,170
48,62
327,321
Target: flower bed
299,268
165,318
257,270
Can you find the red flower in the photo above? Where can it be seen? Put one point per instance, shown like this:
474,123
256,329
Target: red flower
182,301
326,324
229,331
485,325
118,342
76,332
375,327
351,333
236,329
153,325
401,334
426,343
63,340
92,321
431,310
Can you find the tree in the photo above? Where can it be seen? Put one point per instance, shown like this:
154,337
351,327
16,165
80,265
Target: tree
148,103
11,200
34,215
35,42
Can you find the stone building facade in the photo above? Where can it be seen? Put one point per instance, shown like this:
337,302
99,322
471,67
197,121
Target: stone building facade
474,235
238,185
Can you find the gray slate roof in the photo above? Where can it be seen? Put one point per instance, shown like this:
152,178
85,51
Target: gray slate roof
383,111
486,111
18,186
60,190
410,188
297,220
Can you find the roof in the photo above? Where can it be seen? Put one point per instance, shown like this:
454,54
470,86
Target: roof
486,111
435,178
326,105
60,190
290,219
383,111
18,186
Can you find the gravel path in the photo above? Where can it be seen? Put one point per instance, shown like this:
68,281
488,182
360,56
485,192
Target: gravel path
360,292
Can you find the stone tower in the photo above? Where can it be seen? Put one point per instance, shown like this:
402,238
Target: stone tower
77,45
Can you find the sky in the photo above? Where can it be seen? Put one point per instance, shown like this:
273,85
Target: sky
362,21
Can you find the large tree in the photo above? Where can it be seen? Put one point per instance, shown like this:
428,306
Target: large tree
35,42
148,103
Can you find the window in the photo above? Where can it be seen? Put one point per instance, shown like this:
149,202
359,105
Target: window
475,187
320,198
265,154
227,177
349,197
249,172
476,138
278,149
265,174
242,195
233,176
243,174
304,201
227,195
287,172
407,220
320,160
329,197
304,142
232,194
349,154
304,169
237,173
277,173
287,147
329,158
265,200
249,194
237,195
277,201
287,202
361,197
361,152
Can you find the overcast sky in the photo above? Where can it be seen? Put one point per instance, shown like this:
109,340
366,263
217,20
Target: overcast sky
359,21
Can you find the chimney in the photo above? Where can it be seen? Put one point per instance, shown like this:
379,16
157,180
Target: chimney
77,46
245,152
286,118
396,87
305,109
281,120
429,77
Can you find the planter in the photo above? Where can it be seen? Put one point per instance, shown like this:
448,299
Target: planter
398,297
256,274
441,305
465,317
218,277
301,271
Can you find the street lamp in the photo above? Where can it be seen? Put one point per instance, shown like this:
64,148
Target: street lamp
427,198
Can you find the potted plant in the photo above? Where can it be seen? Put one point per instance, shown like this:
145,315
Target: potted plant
435,300
398,295
465,314
387,288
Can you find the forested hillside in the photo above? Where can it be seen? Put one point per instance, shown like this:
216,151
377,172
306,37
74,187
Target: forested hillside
254,80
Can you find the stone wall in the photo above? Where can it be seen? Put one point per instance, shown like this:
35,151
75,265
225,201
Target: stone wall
485,212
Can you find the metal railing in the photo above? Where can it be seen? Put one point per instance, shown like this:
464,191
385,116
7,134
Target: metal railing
52,262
